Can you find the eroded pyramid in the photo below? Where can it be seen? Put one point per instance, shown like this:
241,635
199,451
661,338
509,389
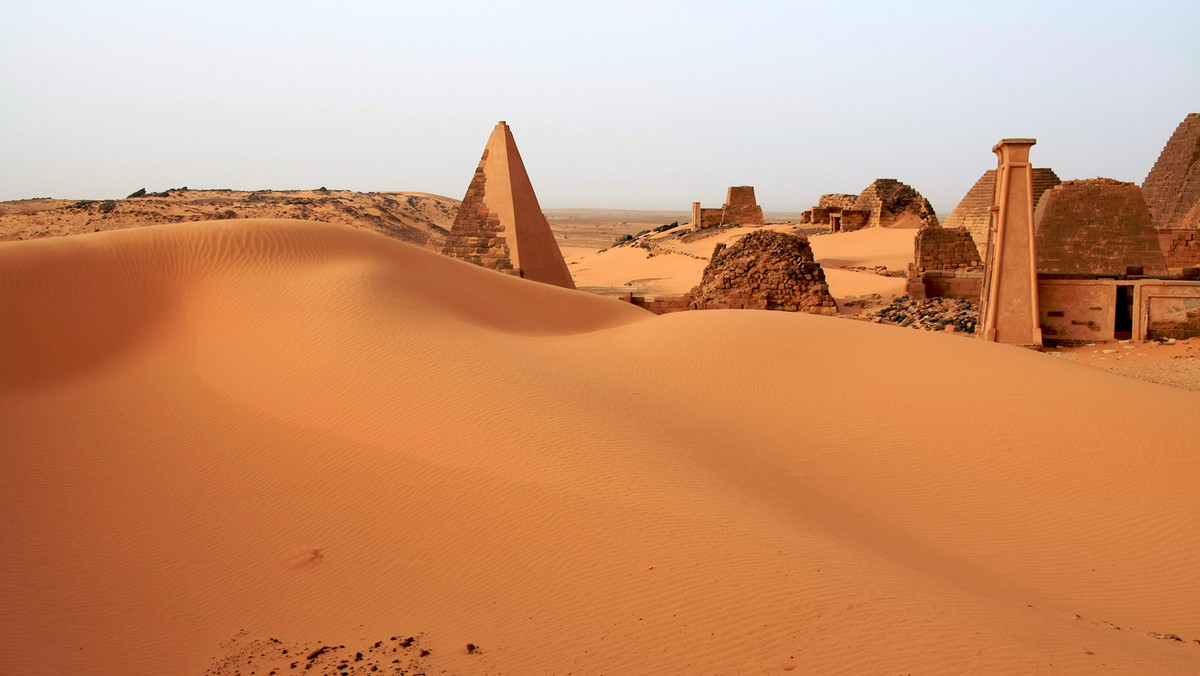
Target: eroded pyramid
895,205
500,224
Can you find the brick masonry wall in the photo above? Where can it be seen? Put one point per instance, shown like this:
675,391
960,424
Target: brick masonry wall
1172,188
477,236
661,305
945,264
1096,227
1181,247
837,199
973,211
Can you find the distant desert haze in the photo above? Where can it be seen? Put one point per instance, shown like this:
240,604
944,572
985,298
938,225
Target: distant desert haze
236,446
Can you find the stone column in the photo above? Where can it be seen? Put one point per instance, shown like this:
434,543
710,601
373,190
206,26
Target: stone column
696,224
1009,313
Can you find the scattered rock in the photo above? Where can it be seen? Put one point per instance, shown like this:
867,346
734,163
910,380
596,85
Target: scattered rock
932,314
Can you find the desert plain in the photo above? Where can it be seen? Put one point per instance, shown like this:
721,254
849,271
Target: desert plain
271,443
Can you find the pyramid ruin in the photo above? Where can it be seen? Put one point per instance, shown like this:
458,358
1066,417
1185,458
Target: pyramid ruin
973,212
500,224
1172,188
886,203
1096,227
740,208
765,270
895,205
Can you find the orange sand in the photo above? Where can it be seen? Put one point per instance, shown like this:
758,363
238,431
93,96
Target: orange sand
677,266
315,433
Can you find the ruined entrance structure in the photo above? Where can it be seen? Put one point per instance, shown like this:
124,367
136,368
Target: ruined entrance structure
1172,191
1009,313
500,224
837,211
974,210
765,270
886,203
1086,264
945,264
740,208
1097,254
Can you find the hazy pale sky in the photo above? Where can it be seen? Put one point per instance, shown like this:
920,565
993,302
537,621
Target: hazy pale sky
613,104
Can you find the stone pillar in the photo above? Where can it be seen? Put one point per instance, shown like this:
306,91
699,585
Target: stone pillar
696,224
1010,302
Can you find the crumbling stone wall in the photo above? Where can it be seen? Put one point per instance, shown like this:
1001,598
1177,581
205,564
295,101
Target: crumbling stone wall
893,204
661,305
765,270
945,264
1096,227
837,218
974,210
1180,246
840,200
740,208
1172,188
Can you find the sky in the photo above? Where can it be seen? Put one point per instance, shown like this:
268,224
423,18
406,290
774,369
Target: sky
638,105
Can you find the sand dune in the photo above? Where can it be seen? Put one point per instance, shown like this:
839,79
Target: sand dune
219,434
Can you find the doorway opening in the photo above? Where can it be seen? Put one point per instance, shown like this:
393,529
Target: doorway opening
1123,323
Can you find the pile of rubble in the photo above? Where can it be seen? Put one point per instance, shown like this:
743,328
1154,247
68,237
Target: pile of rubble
765,270
932,314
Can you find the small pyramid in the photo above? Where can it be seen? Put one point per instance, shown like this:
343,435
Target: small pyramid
1096,227
974,210
500,224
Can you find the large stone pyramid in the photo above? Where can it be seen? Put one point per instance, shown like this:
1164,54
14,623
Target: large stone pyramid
500,224
973,212
1172,189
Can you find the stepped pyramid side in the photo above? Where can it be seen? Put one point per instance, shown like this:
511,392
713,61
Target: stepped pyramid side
500,224
1172,188
973,211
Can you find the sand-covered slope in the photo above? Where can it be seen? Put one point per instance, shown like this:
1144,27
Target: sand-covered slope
219,434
